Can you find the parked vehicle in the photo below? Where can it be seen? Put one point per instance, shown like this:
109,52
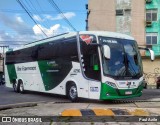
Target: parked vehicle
158,83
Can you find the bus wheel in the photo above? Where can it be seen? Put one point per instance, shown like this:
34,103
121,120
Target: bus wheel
15,87
20,86
72,92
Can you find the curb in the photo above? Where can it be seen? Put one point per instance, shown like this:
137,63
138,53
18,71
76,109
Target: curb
104,112
17,105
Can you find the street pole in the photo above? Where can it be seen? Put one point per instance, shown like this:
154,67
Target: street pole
3,55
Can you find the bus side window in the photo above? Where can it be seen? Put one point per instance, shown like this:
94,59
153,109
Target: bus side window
91,62
94,62
34,53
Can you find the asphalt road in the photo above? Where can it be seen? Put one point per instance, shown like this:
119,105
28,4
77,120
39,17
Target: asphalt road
8,96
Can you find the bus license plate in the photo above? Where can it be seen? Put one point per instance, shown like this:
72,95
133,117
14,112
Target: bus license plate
128,92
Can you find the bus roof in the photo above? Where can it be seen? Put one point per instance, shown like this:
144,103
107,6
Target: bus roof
108,34
71,34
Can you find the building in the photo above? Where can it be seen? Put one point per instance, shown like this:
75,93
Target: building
138,18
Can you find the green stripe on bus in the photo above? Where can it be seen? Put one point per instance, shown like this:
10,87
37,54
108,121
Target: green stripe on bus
54,72
11,72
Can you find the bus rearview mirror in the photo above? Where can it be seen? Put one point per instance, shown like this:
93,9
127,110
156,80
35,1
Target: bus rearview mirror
152,54
106,52
150,51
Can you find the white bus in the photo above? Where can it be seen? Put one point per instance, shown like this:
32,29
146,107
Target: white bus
87,64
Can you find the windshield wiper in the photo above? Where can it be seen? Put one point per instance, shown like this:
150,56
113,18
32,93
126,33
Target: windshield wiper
131,66
126,62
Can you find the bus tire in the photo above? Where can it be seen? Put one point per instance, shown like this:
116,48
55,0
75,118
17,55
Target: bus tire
15,86
72,92
20,86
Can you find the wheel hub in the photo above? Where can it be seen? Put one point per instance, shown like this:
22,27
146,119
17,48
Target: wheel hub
73,92
21,87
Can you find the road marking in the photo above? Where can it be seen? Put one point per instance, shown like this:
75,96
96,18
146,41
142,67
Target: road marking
121,112
104,112
71,112
139,112
87,112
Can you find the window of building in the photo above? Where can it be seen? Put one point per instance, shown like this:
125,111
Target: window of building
151,38
119,12
151,15
127,12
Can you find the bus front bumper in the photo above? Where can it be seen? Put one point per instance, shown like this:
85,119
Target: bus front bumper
110,93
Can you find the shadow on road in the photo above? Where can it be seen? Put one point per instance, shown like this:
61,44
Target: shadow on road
10,97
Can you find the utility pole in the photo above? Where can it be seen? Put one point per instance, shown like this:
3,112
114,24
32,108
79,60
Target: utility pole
88,12
2,58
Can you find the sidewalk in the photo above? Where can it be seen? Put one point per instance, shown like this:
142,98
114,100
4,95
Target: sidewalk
52,108
87,109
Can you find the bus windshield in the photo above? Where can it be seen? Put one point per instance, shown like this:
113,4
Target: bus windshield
125,59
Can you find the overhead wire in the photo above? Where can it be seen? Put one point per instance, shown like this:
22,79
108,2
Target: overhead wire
42,11
9,42
39,12
21,4
31,5
30,14
55,6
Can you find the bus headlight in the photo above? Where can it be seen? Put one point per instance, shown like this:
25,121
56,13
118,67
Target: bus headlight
111,84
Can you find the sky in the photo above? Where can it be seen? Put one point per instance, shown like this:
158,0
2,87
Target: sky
17,28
